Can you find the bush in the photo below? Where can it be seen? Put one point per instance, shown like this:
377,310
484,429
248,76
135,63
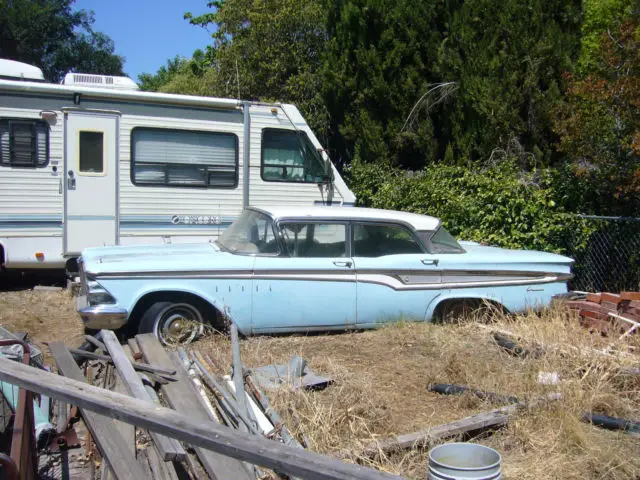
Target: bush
499,205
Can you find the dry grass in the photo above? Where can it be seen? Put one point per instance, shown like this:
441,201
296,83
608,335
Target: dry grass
47,316
381,380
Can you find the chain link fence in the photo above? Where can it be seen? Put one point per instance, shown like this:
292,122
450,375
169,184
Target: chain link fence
608,260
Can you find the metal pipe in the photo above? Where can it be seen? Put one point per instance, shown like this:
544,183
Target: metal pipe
271,413
195,379
450,389
246,153
227,400
611,423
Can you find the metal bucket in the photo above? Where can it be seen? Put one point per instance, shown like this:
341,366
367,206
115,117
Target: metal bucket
462,461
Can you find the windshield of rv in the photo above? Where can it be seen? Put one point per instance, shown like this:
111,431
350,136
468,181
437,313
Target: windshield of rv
289,156
252,233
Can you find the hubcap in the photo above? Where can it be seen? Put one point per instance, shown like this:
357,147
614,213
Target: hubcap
179,325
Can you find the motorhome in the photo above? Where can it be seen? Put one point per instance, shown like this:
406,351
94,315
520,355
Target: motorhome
95,161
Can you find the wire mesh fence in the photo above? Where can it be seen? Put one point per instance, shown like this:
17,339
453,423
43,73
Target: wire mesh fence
609,259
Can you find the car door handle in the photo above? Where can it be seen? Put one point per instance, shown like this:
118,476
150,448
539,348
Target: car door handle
342,263
430,261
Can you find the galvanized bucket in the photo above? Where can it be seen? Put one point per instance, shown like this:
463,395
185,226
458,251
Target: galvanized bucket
462,461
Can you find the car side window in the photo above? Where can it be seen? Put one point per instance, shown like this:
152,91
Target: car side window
314,239
371,240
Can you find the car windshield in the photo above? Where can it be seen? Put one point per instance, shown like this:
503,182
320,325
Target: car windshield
441,241
252,233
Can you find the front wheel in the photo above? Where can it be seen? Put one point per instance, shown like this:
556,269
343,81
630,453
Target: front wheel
174,323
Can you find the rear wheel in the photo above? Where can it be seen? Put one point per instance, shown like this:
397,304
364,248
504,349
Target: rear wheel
174,323
465,309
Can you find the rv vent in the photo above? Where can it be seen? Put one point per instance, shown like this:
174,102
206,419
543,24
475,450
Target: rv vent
106,81
19,71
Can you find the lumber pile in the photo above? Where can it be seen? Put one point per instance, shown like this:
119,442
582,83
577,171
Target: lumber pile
150,413
608,313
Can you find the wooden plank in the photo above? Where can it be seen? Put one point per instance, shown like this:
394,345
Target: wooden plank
201,433
491,419
183,397
107,437
169,448
161,470
127,431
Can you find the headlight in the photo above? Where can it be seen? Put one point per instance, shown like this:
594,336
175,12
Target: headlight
97,294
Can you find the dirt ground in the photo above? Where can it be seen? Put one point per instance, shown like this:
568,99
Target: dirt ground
381,378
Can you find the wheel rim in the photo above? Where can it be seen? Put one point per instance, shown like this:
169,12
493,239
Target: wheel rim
179,324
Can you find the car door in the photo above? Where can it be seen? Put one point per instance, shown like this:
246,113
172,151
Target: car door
396,279
310,286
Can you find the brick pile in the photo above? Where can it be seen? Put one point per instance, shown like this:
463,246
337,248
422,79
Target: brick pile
594,311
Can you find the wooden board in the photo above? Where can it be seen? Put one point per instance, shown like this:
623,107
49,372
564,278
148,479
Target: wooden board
169,448
491,419
201,433
183,397
112,446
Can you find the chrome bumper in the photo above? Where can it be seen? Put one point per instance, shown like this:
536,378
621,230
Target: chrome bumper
100,316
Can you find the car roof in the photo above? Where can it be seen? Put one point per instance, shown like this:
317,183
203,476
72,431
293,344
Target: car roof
417,221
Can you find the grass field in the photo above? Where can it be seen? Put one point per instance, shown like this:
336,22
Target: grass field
381,380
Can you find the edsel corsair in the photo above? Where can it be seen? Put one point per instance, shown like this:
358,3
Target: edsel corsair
286,269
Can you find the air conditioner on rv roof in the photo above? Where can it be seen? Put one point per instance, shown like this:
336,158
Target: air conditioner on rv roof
100,81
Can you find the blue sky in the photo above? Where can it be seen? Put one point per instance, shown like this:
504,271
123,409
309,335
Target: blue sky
148,32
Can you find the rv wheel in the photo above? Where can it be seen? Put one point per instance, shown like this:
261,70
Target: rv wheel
173,323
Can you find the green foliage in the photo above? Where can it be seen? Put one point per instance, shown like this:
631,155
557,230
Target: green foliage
599,125
600,16
268,51
499,205
154,82
50,35
505,57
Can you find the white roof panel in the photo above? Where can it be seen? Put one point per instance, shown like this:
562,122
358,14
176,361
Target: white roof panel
417,221
13,69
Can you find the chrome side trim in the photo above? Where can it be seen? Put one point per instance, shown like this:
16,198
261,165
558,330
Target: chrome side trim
398,280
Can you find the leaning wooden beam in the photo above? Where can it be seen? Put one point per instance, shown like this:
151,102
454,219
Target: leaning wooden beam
182,396
491,419
169,448
141,367
205,434
105,433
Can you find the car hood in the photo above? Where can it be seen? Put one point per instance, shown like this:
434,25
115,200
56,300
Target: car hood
158,258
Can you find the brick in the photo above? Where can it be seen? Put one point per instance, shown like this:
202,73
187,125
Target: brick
629,296
610,297
593,297
594,315
584,305
594,324
609,306
631,314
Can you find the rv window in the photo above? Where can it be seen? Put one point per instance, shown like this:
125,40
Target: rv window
91,152
183,158
289,156
24,143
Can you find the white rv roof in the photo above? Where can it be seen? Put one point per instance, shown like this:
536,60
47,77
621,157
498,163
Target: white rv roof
417,221
13,69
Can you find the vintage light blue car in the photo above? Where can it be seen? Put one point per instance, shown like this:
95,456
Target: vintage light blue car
286,269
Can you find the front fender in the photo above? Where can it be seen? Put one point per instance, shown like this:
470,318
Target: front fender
226,299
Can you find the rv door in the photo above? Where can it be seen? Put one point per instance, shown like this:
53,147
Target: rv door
90,181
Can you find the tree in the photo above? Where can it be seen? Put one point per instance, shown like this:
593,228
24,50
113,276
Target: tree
50,35
506,59
599,125
154,82
268,51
